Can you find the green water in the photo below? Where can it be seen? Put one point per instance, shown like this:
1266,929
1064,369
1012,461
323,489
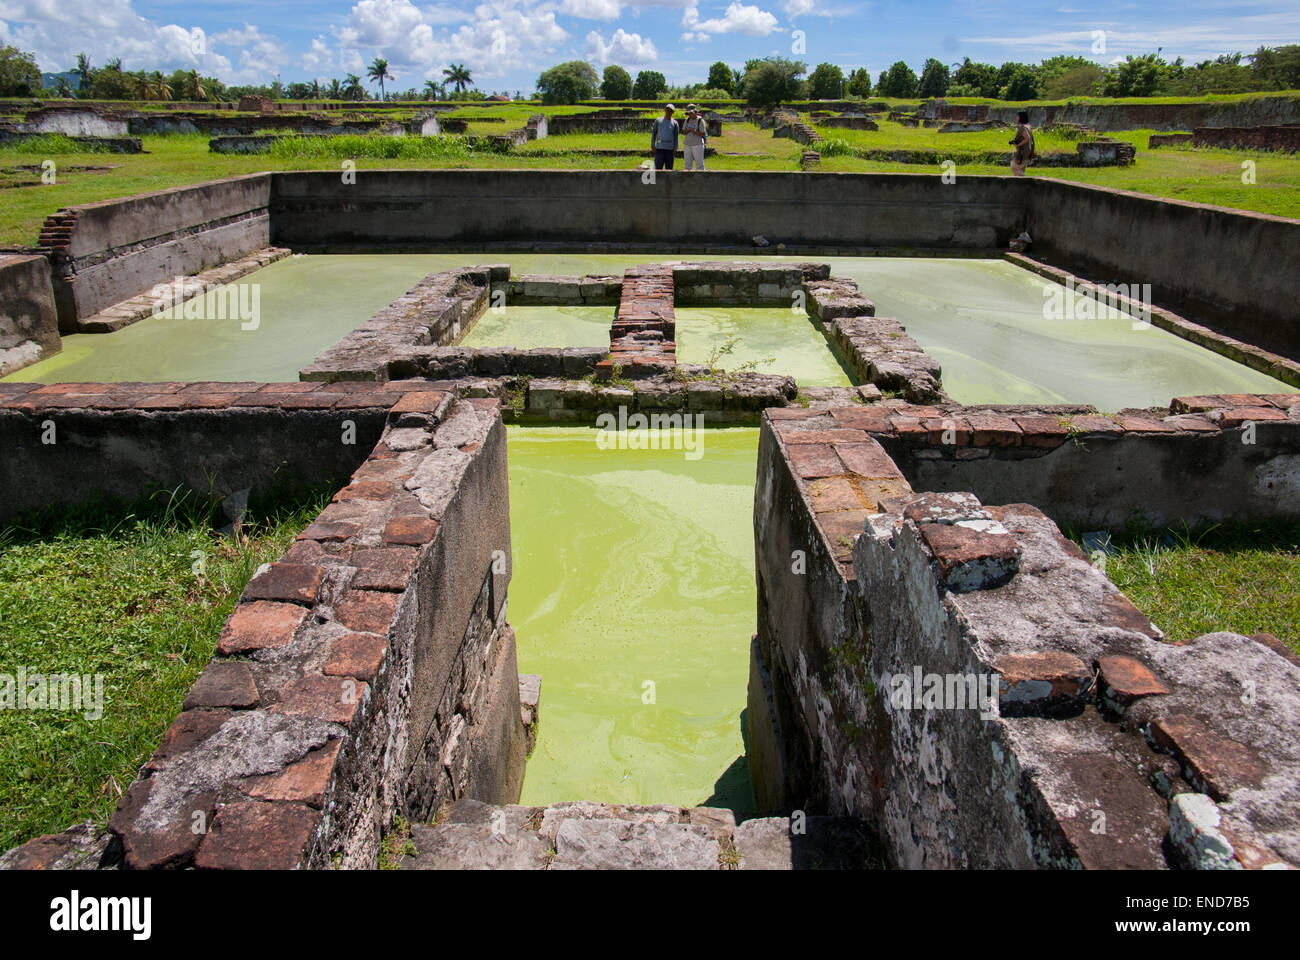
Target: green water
982,319
526,328
632,566
763,339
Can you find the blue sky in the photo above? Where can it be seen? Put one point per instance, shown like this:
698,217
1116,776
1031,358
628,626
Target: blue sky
507,43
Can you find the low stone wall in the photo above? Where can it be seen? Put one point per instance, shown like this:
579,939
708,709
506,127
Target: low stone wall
368,674
68,443
104,253
714,283
734,398
962,679
848,123
1169,140
437,311
10,136
426,209
1131,116
1269,137
590,290
29,325
1201,261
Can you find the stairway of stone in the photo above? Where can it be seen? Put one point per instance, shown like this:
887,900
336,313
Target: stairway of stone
471,835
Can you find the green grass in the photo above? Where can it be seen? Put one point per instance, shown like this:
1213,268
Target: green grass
1236,577
353,147
102,591
1204,176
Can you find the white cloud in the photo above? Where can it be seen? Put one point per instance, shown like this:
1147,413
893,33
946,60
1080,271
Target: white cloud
592,9
745,19
623,47
797,8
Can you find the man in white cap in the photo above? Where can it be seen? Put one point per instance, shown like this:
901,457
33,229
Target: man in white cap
695,131
664,135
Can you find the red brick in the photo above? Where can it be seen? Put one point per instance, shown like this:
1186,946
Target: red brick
1041,431
909,428
367,611
256,835
812,460
791,413
841,529
291,582
223,684
955,427
1239,416
1050,682
189,729
412,531
385,568
1213,764
1088,424
295,386
153,846
1144,425
1191,423
335,699
1198,404
969,558
356,655
833,494
1125,680
871,419
337,531
991,430
419,401
365,490
309,401
260,625
867,460
822,436
302,782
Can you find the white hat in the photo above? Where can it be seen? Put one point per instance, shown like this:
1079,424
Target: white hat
669,107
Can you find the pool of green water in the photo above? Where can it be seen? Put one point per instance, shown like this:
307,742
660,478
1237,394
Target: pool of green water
983,320
528,327
633,595
762,339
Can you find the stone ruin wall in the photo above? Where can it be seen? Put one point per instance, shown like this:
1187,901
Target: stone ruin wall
1094,720
368,674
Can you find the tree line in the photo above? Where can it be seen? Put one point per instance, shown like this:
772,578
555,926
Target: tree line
773,80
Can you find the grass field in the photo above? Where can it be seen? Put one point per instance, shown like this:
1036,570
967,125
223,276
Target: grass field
1236,577
120,594
1205,176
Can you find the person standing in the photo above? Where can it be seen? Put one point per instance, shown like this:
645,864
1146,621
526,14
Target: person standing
695,133
1023,143
664,135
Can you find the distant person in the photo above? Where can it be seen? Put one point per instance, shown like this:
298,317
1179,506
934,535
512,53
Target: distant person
664,135
695,132
1024,144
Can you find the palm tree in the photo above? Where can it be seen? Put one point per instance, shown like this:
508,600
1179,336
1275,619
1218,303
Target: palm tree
431,89
194,84
378,72
352,88
335,89
85,73
64,89
458,77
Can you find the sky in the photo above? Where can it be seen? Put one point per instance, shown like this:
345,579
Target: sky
507,43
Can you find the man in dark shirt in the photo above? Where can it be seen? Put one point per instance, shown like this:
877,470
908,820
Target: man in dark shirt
664,134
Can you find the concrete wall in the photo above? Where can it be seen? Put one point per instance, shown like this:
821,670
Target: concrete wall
414,208
1229,269
68,443
105,252
29,326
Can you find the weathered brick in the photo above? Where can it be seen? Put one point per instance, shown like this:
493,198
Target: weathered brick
290,582
367,611
303,782
335,699
867,459
1047,683
411,531
223,684
260,625
366,490
1212,763
1041,431
972,554
356,655
1239,416
386,568
991,430
833,494
1124,680
257,835
813,460
153,845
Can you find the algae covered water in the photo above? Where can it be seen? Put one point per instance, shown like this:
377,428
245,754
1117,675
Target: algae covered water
762,339
633,595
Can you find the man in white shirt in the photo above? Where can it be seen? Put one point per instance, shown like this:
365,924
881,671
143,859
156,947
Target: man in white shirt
694,134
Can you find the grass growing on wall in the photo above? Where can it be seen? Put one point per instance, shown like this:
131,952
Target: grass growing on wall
355,147
118,594
1236,577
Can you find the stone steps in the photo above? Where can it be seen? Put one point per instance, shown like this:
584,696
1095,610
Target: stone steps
471,835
